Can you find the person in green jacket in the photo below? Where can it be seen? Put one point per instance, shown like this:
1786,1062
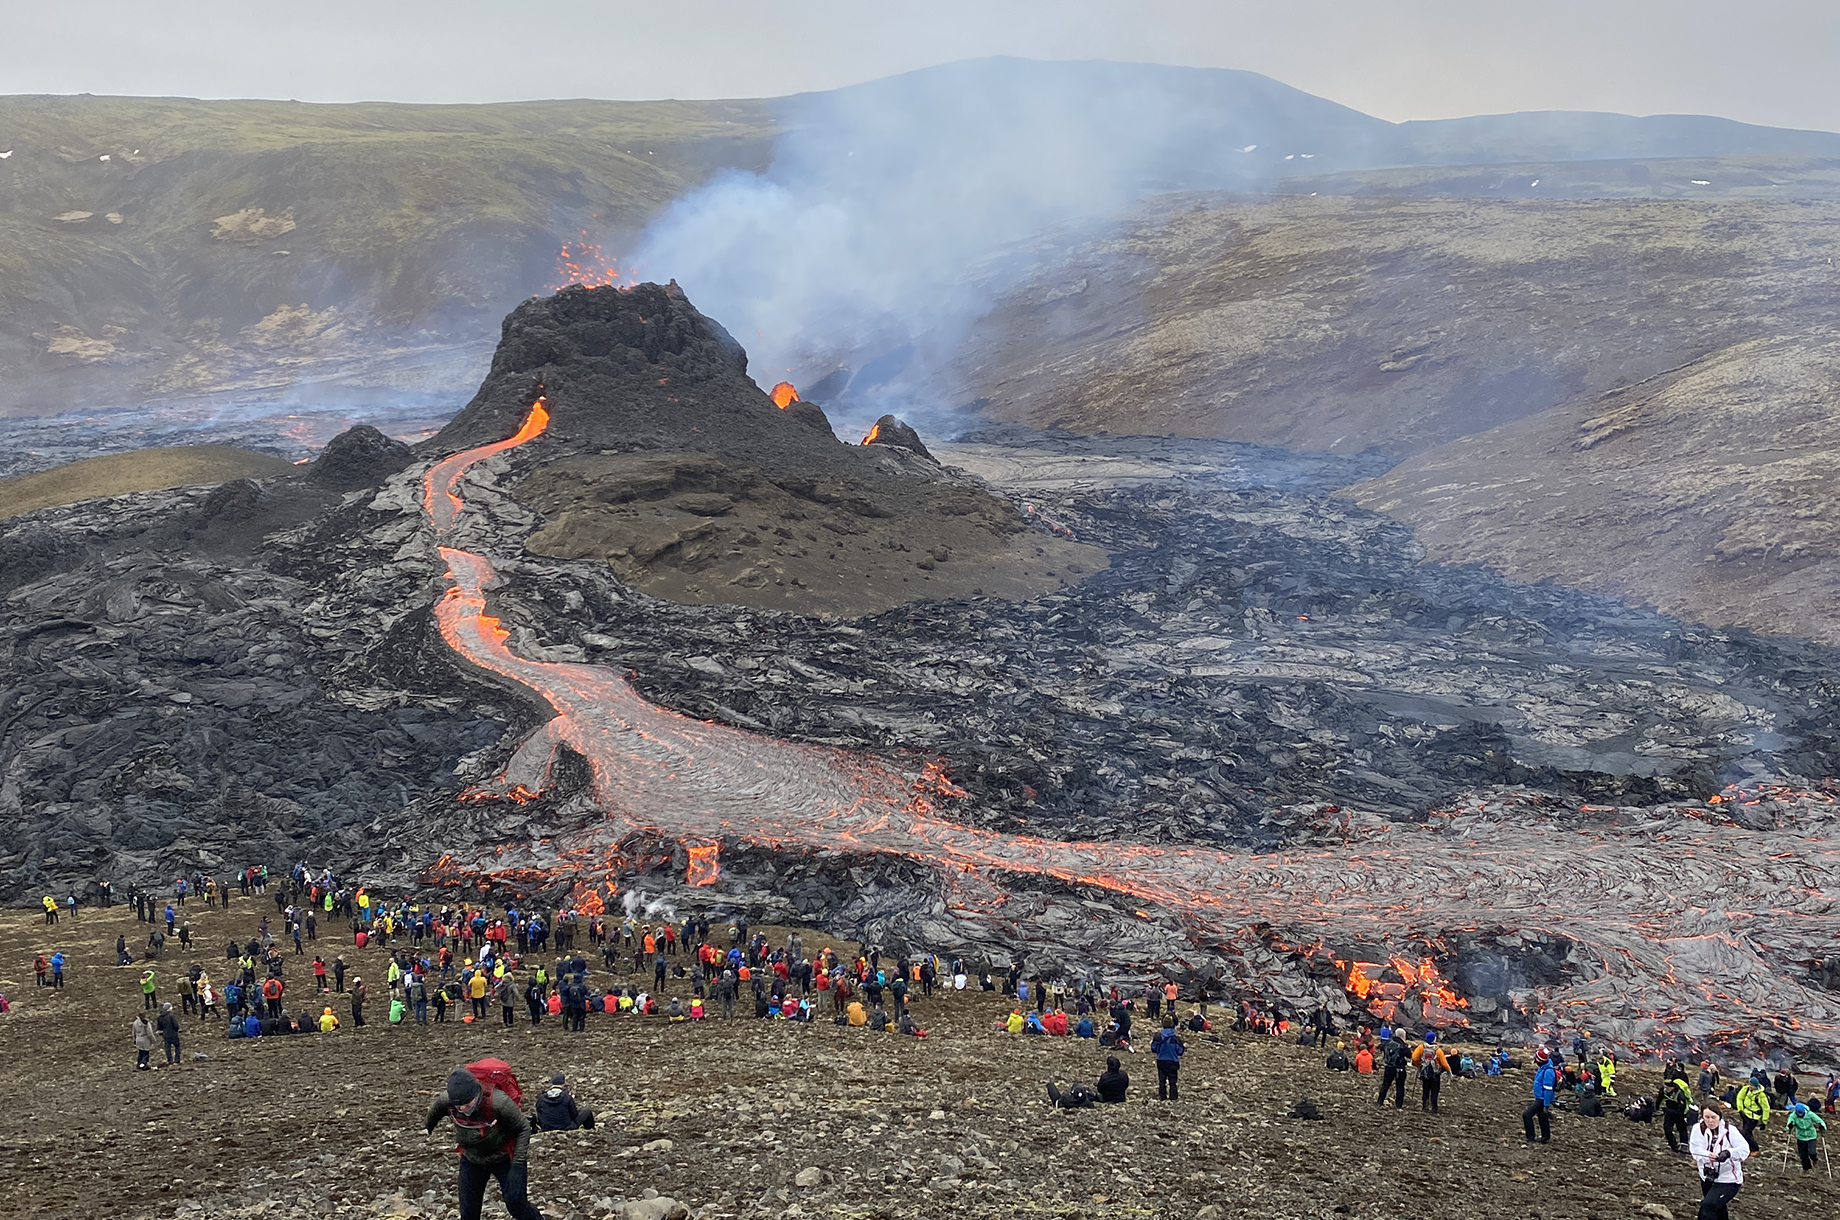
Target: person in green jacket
147,997
1806,1127
1753,1104
494,1142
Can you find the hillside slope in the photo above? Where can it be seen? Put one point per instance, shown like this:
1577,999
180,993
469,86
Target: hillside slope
171,248
1708,492
1394,324
262,251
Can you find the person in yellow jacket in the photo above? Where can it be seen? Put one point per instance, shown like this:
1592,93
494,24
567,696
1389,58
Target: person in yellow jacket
1753,1106
1606,1073
327,1022
1432,1064
476,991
51,910
1014,1022
857,1016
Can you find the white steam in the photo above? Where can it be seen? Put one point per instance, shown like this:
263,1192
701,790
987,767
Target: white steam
895,211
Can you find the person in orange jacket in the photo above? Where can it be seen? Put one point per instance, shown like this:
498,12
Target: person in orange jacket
1432,1066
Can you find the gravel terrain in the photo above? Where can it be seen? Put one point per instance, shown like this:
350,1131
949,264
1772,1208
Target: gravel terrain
730,1117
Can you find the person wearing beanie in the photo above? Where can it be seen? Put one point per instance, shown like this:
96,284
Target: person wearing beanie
494,1142
557,1111
1113,1082
168,1025
1431,1063
1396,1061
1805,1127
1338,1058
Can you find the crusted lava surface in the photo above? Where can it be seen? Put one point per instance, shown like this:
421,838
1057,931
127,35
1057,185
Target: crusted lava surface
1266,746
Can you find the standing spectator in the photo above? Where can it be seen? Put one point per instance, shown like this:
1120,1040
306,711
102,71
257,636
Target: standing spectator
1545,1089
168,1025
144,1041
1168,1048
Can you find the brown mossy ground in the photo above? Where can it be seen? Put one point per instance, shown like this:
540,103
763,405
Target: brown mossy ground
143,470
692,528
325,1125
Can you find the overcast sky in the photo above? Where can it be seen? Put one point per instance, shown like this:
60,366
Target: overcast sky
1761,61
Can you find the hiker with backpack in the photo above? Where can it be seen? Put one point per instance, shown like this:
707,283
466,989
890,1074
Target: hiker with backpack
1432,1064
1676,1096
1805,1127
492,1134
1396,1060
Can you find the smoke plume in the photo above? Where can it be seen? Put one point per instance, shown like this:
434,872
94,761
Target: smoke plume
894,211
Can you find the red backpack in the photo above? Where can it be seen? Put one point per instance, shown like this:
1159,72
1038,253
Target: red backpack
497,1074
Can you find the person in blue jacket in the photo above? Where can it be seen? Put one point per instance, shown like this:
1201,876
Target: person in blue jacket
1168,1048
1545,1086
1084,1029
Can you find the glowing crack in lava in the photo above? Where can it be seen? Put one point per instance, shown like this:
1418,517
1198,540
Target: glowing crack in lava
1700,926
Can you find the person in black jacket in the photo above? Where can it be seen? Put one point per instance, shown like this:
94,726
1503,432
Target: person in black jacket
1113,1082
1398,1059
168,1025
557,1111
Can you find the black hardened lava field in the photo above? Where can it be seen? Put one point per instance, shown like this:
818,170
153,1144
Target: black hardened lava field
1223,726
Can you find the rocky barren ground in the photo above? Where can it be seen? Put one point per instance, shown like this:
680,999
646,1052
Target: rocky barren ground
729,1118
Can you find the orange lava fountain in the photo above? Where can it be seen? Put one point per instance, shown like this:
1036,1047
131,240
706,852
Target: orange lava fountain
875,431
1672,926
784,395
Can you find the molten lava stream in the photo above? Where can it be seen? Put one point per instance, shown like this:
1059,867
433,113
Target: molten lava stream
1644,914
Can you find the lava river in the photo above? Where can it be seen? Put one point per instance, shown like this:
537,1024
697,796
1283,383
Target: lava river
1695,925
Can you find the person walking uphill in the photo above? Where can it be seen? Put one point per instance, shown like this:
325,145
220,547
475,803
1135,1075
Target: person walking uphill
1720,1153
1753,1104
494,1142
1545,1089
1168,1048
1805,1127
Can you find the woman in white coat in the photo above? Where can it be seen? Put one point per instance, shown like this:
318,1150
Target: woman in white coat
1719,1152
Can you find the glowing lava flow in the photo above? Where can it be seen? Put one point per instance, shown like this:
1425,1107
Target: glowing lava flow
1687,922
784,395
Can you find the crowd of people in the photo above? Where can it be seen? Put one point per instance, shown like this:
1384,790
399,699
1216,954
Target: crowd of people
467,963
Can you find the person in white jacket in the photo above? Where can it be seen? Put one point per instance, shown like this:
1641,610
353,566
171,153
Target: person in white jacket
1720,1153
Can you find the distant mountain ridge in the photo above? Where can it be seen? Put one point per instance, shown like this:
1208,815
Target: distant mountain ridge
262,251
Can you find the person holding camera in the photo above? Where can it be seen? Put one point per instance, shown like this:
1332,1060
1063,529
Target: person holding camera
1720,1153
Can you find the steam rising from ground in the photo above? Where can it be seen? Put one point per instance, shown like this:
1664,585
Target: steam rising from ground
894,211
